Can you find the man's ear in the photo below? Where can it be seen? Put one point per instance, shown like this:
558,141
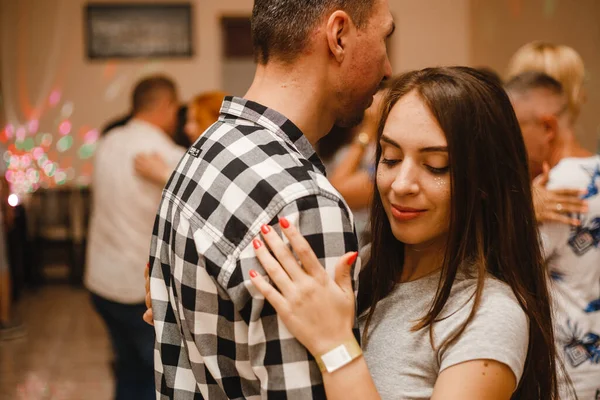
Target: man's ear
339,28
550,125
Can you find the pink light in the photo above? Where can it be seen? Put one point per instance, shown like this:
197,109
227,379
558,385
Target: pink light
91,136
10,175
37,153
25,161
14,162
9,130
33,126
65,127
54,97
21,133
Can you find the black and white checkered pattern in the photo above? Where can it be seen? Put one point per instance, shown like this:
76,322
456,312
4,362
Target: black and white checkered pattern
216,336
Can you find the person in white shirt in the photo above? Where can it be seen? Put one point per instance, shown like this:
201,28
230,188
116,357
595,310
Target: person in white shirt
572,252
124,208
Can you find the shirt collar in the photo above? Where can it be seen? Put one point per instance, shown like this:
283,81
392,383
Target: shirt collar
273,121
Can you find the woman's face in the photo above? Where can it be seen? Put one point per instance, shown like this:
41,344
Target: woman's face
413,176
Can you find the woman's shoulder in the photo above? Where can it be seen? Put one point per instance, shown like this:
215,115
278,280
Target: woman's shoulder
499,329
497,313
499,295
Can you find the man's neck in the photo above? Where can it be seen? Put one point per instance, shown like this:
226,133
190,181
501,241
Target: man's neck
297,92
568,146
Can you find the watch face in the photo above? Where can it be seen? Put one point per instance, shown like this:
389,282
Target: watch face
336,358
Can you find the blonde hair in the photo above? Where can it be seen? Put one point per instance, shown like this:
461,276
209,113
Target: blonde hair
560,62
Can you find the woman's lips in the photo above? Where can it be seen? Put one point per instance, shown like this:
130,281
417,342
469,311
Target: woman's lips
406,213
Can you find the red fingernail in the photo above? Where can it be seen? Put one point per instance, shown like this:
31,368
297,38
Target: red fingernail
352,258
147,265
256,243
265,229
284,222
253,273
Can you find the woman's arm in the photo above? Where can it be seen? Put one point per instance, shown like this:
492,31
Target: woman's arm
153,168
319,312
475,380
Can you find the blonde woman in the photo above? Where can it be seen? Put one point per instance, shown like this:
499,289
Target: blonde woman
560,62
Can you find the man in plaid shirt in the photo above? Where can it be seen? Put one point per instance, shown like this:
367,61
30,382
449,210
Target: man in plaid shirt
319,64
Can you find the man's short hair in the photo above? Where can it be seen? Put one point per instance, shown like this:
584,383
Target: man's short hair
149,90
532,80
281,28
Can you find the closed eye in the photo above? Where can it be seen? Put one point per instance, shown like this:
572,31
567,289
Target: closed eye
389,162
437,171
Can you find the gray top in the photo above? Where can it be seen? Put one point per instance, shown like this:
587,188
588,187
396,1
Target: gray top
403,363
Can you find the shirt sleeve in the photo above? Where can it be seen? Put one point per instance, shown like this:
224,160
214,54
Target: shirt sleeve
279,361
553,236
499,331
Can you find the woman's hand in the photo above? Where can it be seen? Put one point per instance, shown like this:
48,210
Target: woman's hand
152,167
555,205
317,310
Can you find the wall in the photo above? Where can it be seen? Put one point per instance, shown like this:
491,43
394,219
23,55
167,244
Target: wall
46,76
500,27
44,52
430,33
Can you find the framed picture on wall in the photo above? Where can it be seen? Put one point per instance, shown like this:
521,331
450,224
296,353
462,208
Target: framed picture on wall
152,30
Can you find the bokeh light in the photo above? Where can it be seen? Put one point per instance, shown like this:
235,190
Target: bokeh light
86,151
49,169
65,127
33,126
13,200
67,109
64,143
21,133
91,136
37,153
25,161
54,97
9,131
47,140
60,178
28,144
42,160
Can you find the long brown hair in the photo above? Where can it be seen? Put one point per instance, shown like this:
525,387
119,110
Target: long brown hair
492,222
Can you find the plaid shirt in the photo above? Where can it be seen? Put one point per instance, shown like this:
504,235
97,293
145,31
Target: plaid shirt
216,336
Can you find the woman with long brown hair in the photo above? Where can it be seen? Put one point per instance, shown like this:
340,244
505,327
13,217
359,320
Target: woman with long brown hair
453,301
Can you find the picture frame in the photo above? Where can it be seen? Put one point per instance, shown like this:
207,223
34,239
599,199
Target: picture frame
139,30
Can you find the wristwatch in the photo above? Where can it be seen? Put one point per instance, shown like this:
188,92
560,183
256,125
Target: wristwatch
340,356
362,139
